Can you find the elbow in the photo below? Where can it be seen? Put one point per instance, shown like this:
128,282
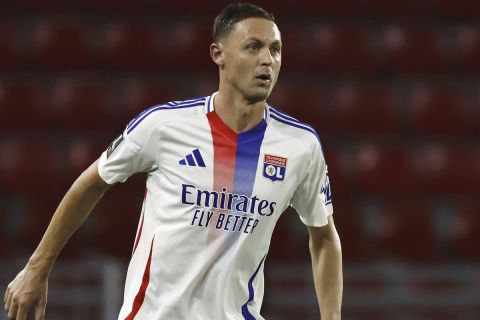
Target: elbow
328,243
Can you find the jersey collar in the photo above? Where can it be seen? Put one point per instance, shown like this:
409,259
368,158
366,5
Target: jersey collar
209,107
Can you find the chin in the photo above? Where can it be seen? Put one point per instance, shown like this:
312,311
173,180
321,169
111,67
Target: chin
259,95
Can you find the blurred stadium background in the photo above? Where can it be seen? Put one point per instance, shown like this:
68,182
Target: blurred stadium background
392,87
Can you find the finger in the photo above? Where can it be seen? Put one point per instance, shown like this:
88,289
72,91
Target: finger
22,313
40,310
12,310
8,302
5,296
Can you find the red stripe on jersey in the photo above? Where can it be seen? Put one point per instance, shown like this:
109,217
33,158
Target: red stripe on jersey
138,301
224,158
224,153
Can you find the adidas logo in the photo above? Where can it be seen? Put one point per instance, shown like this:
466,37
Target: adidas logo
193,159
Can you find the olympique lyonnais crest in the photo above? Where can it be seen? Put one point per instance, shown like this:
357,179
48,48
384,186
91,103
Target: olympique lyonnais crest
274,167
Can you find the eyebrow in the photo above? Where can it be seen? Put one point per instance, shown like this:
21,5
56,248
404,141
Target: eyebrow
258,40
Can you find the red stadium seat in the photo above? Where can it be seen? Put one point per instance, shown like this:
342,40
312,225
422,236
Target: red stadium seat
133,48
476,111
114,223
22,107
11,56
448,170
438,111
45,5
349,223
466,50
139,95
312,8
380,170
339,49
299,101
163,8
81,154
81,106
326,8
406,232
284,245
399,9
208,85
4,245
293,53
304,102
466,232
29,166
37,211
34,214
61,46
137,6
413,50
466,9
363,110
196,7
188,46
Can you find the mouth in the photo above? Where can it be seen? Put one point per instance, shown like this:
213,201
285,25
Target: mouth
264,78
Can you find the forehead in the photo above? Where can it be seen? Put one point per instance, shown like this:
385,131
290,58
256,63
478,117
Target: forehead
258,28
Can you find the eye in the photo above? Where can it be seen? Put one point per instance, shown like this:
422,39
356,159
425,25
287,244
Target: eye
253,47
276,50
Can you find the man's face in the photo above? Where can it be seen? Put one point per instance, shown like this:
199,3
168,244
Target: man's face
252,58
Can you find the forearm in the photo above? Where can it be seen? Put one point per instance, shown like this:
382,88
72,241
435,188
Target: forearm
328,276
69,215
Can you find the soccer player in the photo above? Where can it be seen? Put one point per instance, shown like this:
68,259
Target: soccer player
221,170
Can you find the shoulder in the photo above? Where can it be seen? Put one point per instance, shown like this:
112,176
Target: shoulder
169,111
299,131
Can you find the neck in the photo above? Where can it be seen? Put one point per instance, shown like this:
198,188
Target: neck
237,112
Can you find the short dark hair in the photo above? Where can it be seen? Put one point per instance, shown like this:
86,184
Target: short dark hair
234,13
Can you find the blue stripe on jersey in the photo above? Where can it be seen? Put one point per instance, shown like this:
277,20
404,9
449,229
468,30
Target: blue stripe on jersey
297,124
246,162
251,294
208,103
147,112
175,103
281,113
248,151
288,117
141,114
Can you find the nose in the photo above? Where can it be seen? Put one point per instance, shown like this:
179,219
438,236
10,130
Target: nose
266,57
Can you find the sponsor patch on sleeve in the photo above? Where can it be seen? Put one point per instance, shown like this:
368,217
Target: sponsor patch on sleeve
326,190
114,145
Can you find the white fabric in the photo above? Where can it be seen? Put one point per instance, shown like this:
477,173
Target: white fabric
197,273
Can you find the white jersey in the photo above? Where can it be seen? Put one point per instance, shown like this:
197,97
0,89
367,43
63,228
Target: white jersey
212,200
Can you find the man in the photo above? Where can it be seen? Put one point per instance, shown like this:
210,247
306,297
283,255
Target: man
221,170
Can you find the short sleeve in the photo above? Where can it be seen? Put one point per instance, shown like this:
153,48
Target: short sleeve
135,150
313,197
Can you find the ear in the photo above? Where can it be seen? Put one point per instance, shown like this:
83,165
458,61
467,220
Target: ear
216,52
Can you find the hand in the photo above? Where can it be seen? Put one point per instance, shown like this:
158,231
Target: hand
25,290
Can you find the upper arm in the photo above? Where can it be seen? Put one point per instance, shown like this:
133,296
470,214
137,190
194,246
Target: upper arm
91,180
319,236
